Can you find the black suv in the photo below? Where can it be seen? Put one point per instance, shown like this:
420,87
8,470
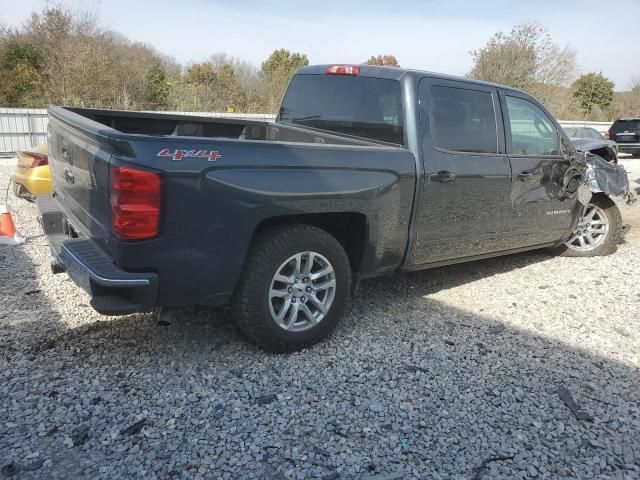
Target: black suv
626,133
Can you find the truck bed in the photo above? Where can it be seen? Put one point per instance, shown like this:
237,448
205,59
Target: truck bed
172,125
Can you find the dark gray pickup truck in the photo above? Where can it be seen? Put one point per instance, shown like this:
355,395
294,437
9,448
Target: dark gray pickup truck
366,171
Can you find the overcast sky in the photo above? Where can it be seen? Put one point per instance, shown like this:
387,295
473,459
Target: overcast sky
434,35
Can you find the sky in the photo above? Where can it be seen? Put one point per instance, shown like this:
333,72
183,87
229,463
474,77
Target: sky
434,35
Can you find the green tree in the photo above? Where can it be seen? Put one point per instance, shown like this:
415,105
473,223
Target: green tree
593,90
156,88
20,74
200,74
383,61
228,88
277,70
64,57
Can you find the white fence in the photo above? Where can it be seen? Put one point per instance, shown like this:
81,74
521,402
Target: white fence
21,128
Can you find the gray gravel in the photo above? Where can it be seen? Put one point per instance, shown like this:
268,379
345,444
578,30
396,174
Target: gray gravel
429,375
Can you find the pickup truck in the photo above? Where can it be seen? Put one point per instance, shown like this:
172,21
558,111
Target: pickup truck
366,171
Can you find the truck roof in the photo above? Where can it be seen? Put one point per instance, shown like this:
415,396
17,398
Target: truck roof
394,73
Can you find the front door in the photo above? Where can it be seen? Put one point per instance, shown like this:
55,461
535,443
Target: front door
542,212
467,184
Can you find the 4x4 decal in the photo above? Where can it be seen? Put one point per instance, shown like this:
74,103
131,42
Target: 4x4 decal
210,155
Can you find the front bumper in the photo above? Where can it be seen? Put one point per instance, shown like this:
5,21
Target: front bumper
113,291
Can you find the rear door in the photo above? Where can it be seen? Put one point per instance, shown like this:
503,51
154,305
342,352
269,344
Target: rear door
540,156
467,185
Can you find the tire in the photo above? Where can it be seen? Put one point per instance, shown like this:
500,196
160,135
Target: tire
608,244
254,307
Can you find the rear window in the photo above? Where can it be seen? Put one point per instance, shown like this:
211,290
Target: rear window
359,106
622,125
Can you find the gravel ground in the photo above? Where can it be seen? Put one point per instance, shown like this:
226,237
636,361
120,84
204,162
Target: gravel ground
429,375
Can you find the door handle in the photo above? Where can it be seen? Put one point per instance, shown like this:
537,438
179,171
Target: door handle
524,176
442,176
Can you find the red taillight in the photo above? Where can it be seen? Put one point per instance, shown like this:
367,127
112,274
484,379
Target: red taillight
342,70
606,135
38,159
135,203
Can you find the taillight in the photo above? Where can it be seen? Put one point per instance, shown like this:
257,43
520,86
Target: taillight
606,135
135,203
342,70
38,159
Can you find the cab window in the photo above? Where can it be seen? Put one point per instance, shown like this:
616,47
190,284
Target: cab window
532,133
463,120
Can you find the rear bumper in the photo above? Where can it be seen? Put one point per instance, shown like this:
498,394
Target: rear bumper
36,181
113,291
625,147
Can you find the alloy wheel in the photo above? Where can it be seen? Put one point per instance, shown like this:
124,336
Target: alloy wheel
302,291
592,229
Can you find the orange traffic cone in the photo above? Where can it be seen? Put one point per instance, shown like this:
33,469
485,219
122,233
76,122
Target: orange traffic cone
8,234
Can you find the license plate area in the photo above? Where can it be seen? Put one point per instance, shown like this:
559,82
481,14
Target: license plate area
626,137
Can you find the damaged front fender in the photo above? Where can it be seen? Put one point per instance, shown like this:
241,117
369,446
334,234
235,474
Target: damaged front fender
606,177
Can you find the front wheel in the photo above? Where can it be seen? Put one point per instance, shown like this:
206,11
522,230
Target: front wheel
293,288
598,230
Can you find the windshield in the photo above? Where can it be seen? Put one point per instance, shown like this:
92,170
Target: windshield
360,106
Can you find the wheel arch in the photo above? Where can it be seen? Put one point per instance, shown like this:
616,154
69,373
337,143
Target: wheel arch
349,228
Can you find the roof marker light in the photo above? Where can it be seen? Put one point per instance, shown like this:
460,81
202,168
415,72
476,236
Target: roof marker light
342,70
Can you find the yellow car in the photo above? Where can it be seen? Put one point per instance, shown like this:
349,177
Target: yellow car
33,175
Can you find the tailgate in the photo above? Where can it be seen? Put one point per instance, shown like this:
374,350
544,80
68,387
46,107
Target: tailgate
79,155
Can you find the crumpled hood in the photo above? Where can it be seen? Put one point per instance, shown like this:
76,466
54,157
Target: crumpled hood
598,147
588,144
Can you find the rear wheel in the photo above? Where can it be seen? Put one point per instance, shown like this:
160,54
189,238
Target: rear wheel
293,288
598,231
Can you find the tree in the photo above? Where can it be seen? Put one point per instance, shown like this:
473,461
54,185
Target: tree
383,61
228,88
634,97
20,74
66,58
277,70
526,58
200,74
156,88
593,90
